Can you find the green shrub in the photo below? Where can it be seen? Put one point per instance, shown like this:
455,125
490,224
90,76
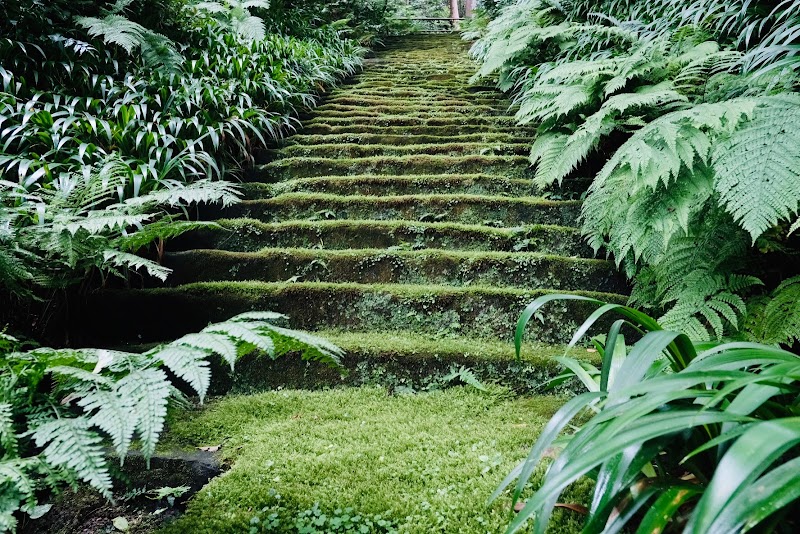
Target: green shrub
703,438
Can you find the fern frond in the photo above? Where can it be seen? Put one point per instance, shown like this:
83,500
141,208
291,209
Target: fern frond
8,434
781,320
148,391
758,166
115,29
70,443
551,102
309,346
187,363
133,262
215,343
199,192
111,413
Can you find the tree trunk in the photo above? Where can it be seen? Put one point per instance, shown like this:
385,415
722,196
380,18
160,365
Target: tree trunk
469,5
454,13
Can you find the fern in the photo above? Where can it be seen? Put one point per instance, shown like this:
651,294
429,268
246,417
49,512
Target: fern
236,16
70,444
758,166
464,375
157,50
98,394
781,316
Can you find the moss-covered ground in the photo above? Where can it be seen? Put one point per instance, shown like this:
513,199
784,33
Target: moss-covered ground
418,463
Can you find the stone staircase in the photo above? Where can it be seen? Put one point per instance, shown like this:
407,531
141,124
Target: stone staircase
399,222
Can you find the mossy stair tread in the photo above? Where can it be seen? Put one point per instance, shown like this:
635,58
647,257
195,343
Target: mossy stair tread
356,150
438,130
394,185
475,209
306,167
388,138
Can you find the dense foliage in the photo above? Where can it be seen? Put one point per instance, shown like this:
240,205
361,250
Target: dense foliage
114,114
689,110
59,408
698,438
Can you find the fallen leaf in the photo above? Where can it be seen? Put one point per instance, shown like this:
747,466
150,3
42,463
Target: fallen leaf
121,524
212,448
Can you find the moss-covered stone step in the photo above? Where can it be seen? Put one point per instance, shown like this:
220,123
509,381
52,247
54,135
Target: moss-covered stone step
447,130
249,235
401,120
420,115
470,184
373,266
482,312
396,139
395,358
433,101
331,109
307,167
398,94
469,209
357,150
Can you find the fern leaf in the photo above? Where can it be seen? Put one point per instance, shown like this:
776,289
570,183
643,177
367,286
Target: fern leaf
8,435
311,347
111,413
246,332
115,29
70,443
187,363
134,262
781,321
216,343
148,391
199,192
97,221
265,316
758,167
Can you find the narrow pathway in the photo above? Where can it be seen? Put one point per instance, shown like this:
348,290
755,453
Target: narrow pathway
399,221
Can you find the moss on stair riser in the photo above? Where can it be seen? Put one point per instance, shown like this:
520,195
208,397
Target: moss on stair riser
480,312
471,184
352,150
332,110
441,131
285,169
427,101
403,139
526,271
389,121
380,367
248,235
451,208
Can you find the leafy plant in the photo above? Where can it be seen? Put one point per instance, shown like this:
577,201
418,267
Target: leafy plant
58,407
702,438
694,144
54,237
